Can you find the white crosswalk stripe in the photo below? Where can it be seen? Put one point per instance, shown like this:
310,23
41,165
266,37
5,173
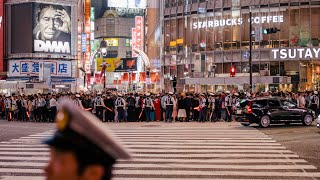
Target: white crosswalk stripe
174,151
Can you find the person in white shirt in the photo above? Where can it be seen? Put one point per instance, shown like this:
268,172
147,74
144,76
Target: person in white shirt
53,107
7,105
301,100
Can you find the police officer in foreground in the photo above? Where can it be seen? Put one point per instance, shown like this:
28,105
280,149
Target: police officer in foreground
82,147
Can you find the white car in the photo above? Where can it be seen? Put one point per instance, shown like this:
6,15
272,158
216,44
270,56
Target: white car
318,120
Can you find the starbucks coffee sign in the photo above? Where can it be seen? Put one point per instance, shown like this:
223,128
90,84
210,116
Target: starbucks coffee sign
236,21
298,53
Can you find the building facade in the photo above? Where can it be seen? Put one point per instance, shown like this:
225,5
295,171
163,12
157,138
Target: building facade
41,46
153,42
204,40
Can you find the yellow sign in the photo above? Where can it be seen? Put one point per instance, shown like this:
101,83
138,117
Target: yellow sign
173,43
111,64
99,63
112,41
179,41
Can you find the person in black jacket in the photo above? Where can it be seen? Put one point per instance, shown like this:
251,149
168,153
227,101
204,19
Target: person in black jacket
131,101
188,106
109,106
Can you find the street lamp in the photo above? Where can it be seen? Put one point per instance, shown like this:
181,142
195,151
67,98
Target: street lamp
103,50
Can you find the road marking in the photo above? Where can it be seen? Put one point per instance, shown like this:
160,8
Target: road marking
174,153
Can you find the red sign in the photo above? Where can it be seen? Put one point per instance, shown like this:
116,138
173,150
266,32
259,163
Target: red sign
2,68
134,42
139,32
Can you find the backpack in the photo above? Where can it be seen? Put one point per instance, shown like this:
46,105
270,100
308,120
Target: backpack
169,100
119,102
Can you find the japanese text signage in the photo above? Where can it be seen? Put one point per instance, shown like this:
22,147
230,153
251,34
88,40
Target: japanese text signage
139,32
28,67
134,42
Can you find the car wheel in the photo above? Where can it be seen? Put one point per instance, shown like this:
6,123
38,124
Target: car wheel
245,124
264,121
307,120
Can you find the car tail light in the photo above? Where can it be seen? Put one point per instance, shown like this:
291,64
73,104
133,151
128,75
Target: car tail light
249,109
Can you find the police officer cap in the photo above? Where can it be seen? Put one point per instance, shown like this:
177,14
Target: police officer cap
99,93
228,92
77,95
81,132
147,94
315,92
170,93
120,95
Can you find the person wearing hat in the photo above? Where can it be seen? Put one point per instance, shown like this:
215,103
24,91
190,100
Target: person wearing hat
8,106
98,107
131,102
203,108
169,104
229,106
314,103
120,105
148,106
109,108
77,102
81,147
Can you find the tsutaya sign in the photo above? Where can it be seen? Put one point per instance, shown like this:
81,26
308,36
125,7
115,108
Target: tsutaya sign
299,53
237,21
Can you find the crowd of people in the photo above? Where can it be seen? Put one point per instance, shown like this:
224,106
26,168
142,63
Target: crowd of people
136,107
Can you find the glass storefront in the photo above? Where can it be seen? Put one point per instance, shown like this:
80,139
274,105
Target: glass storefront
217,39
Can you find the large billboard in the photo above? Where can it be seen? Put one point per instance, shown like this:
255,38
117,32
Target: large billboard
51,28
128,3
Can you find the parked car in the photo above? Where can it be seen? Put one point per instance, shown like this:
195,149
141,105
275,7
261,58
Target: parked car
318,125
266,111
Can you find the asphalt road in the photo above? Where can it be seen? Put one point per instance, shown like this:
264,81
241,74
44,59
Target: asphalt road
12,130
304,141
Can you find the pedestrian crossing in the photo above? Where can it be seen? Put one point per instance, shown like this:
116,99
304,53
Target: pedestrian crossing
174,151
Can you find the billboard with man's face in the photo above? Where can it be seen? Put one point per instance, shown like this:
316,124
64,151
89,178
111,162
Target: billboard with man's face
51,28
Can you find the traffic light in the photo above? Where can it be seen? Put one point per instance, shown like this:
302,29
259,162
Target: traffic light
232,72
270,30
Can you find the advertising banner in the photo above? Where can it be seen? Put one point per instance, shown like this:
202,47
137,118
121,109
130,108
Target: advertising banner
117,64
139,32
51,28
141,4
127,64
22,68
134,42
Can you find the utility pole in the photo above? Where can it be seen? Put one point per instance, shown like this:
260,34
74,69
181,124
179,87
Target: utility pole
250,56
